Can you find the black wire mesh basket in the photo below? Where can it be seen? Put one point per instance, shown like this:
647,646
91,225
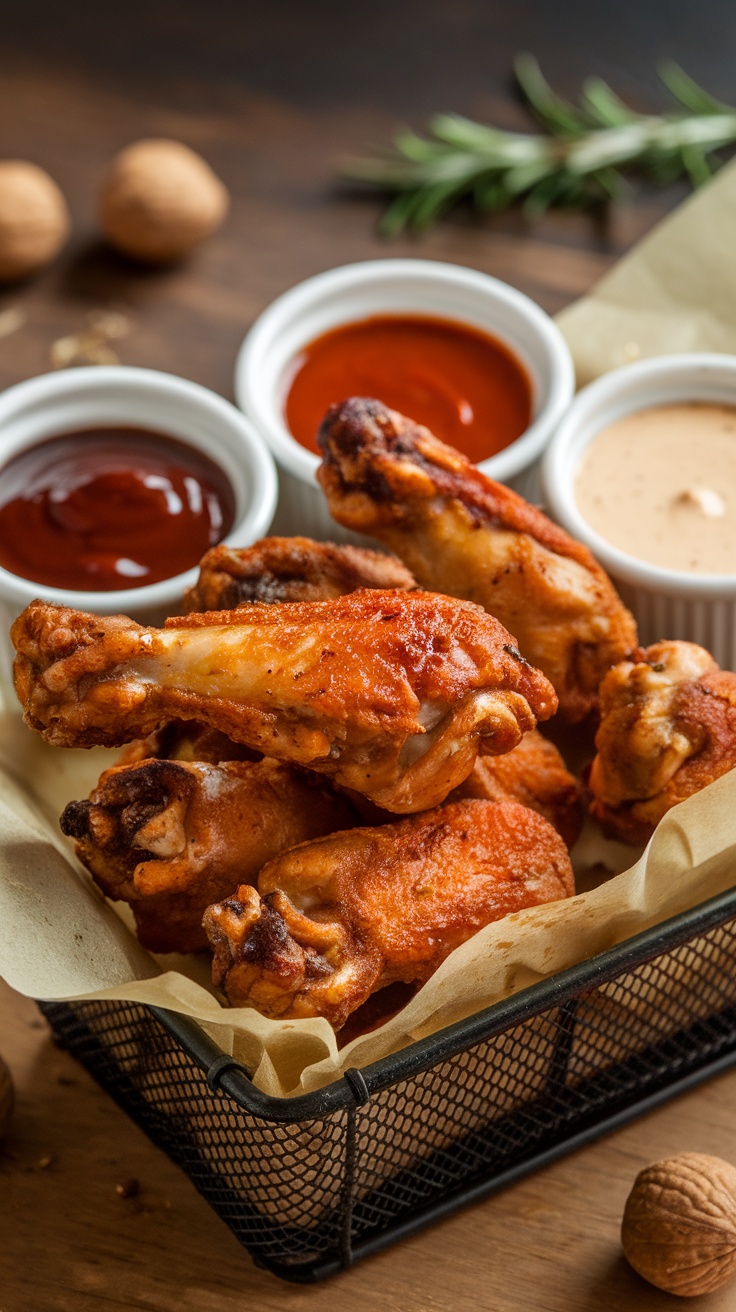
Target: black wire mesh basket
310,1184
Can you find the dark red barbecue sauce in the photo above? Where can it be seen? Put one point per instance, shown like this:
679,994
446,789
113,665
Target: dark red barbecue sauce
110,508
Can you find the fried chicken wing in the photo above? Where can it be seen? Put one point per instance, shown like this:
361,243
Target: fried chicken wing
334,920
169,838
463,534
391,694
534,774
290,569
668,728
272,570
186,740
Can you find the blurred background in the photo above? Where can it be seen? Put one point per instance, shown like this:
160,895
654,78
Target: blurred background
273,95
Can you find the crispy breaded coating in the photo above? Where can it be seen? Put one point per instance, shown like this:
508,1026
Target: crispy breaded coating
275,569
391,694
462,534
290,569
170,837
668,728
534,774
186,740
272,570
334,920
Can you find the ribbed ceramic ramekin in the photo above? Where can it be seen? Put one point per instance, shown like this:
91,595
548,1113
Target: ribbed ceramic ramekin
357,291
666,603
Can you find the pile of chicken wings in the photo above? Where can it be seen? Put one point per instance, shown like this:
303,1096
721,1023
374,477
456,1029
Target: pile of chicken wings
332,774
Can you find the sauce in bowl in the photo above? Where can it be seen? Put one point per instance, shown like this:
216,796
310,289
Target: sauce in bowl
660,484
110,508
464,384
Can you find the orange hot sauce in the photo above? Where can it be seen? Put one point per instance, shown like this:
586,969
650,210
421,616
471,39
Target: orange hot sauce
466,386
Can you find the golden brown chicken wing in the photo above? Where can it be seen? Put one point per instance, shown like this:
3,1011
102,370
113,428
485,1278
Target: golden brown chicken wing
463,534
169,837
186,740
391,694
668,728
335,920
534,774
272,570
290,569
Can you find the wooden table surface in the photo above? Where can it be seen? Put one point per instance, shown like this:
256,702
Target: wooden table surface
272,94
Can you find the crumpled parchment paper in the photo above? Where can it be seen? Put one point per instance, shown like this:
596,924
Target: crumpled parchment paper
60,938
675,291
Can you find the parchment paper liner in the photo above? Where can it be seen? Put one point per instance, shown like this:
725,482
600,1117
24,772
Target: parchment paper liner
675,291
60,939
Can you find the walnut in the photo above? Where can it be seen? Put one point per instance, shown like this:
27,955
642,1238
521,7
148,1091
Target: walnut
679,1226
7,1098
159,200
34,220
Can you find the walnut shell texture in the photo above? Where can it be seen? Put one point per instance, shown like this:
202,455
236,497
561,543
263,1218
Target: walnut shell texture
7,1098
159,199
34,220
679,1224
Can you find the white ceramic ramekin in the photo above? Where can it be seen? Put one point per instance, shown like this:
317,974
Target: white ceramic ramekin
666,603
83,398
357,291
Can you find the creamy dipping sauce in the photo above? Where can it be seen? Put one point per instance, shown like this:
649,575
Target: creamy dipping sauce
660,484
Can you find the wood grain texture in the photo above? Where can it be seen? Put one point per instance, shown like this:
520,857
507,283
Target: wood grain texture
273,95
70,1243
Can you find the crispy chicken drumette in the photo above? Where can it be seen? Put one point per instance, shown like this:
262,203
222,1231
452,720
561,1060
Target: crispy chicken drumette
290,569
391,694
668,728
186,740
272,570
335,920
534,774
463,534
215,825
170,837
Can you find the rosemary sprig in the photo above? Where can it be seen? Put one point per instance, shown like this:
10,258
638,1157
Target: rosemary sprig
576,160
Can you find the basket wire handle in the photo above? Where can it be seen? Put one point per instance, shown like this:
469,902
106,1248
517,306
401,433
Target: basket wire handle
219,1067
360,1096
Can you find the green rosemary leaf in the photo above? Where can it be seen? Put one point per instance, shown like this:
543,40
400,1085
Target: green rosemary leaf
604,106
696,164
524,177
454,130
397,216
665,169
687,91
555,113
610,181
432,203
390,172
490,193
414,147
556,189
